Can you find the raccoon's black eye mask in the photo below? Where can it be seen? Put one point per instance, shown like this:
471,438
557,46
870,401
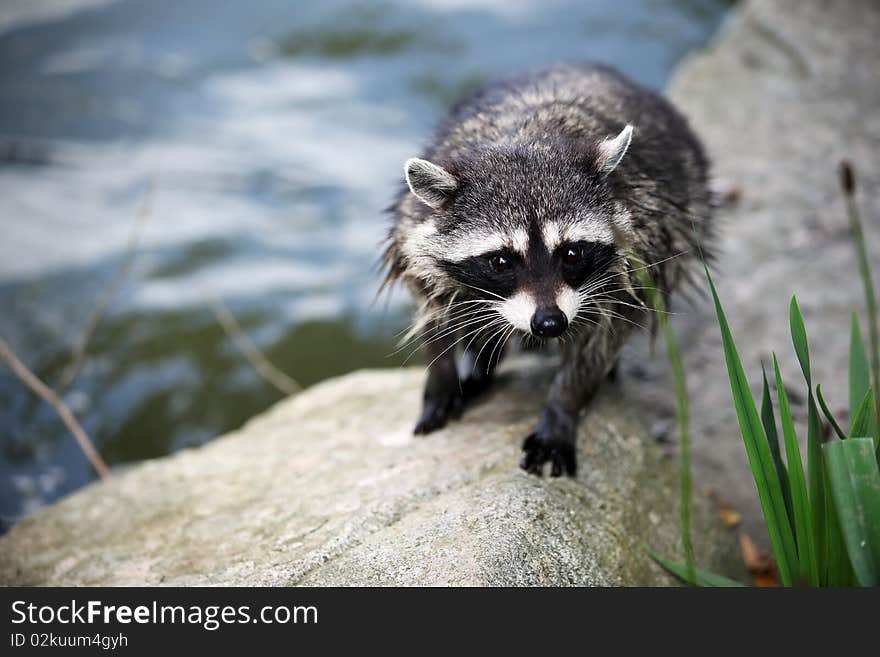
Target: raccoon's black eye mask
503,272
580,261
497,272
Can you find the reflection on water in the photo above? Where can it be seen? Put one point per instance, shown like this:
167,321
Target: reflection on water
273,133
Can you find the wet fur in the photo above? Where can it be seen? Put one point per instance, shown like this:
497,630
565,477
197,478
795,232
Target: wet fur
524,152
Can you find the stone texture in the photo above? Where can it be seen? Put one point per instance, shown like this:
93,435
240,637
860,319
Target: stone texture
331,488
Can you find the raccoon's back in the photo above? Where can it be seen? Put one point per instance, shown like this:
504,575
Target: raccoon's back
583,102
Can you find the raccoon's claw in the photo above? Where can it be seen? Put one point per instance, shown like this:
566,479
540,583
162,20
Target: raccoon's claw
560,453
437,411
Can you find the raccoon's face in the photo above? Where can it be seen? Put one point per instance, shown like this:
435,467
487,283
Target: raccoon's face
530,232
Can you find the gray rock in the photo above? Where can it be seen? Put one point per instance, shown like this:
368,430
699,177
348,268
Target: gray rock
331,487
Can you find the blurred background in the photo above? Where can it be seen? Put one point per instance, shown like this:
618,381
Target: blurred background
157,154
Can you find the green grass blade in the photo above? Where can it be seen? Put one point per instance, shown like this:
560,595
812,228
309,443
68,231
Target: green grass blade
684,443
855,486
840,571
681,396
703,577
859,370
863,425
799,339
760,460
809,567
816,485
814,437
829,415
855,223
769,422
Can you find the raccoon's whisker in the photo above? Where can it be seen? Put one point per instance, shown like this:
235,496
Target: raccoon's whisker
468,346
480,318
485,343
593,284
608,313
449,311
479,289
430,336
577,326
457,327
657,262
510,335
605,296
563,340
605,299
582,315
605,311
504,326
604,322
646,309
466,301
458,306
458,314
454,344
504,342
584,323
467,317
583,319
471,341
599,284
499,345
611,313
453,320
444,314
461,310
615,289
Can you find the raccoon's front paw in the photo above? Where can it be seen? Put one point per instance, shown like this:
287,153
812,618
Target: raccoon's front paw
475,385
437,410
543,446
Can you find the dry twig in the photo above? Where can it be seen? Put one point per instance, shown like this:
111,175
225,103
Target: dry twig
47,394
82,344
255,357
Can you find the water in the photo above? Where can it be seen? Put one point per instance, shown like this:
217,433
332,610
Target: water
272,135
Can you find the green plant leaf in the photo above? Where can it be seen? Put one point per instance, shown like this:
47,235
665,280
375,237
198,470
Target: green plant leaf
839,571
855,224
862,425
799,339
760,460
815,470
855,486
829,415
859,370
803,524
769,422
681,396
703,577
814,437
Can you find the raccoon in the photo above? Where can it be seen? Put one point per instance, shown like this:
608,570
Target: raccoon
535,211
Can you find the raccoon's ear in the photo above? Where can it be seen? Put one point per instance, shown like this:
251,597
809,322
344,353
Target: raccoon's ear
433,185
612,150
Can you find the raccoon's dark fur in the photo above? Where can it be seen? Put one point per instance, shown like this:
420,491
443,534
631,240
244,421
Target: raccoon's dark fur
536,209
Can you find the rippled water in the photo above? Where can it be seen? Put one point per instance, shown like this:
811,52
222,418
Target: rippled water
271,134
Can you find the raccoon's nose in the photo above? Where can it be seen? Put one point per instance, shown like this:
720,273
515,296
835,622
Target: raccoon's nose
549,322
